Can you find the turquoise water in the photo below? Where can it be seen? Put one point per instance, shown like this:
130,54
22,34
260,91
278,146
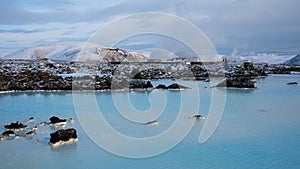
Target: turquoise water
259,129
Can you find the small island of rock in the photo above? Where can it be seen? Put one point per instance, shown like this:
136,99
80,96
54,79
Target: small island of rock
62,136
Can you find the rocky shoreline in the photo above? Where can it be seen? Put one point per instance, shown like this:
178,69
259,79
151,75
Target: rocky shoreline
42,75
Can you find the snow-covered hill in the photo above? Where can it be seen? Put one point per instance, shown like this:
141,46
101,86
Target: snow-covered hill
259,58
77,51
82,51
293,61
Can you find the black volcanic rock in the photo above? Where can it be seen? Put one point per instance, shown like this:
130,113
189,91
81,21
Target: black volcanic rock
20,75
63,135
172,86
237,82
283,69
148,85
292,83
139,75
7,133
54,120
161,86
152,123
176,86
198,117
248,65
29,134
16,126
30,120
140,84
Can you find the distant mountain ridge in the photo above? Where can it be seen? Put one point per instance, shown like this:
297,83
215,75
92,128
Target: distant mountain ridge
259,58
77,51
293,61
82,51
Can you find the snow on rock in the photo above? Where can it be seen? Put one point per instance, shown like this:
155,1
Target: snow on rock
92,53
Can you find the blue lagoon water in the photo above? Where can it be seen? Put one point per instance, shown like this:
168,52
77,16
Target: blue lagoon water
259,129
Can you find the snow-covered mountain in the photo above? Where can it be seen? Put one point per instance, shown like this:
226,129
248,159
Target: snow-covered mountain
259,58
82,51
77,51
293,61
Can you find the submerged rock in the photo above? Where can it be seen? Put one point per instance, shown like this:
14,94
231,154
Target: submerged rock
42,123
30,120
62,136
17,137
71,120
16,126
35,128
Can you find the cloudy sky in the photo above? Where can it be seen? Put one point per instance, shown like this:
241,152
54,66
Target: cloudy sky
246,25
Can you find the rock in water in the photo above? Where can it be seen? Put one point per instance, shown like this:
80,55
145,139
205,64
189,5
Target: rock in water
62,136
161,86
30,120
237,82
292,83
29,134
152,123
8,133
173,86
57,121
140,84
42,123
71,120
198,117
16,126
35,128
177,86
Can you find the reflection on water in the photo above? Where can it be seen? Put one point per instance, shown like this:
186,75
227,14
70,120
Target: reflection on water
67,149
32,93
242,92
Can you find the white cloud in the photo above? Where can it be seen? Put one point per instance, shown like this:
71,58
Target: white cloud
248,24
